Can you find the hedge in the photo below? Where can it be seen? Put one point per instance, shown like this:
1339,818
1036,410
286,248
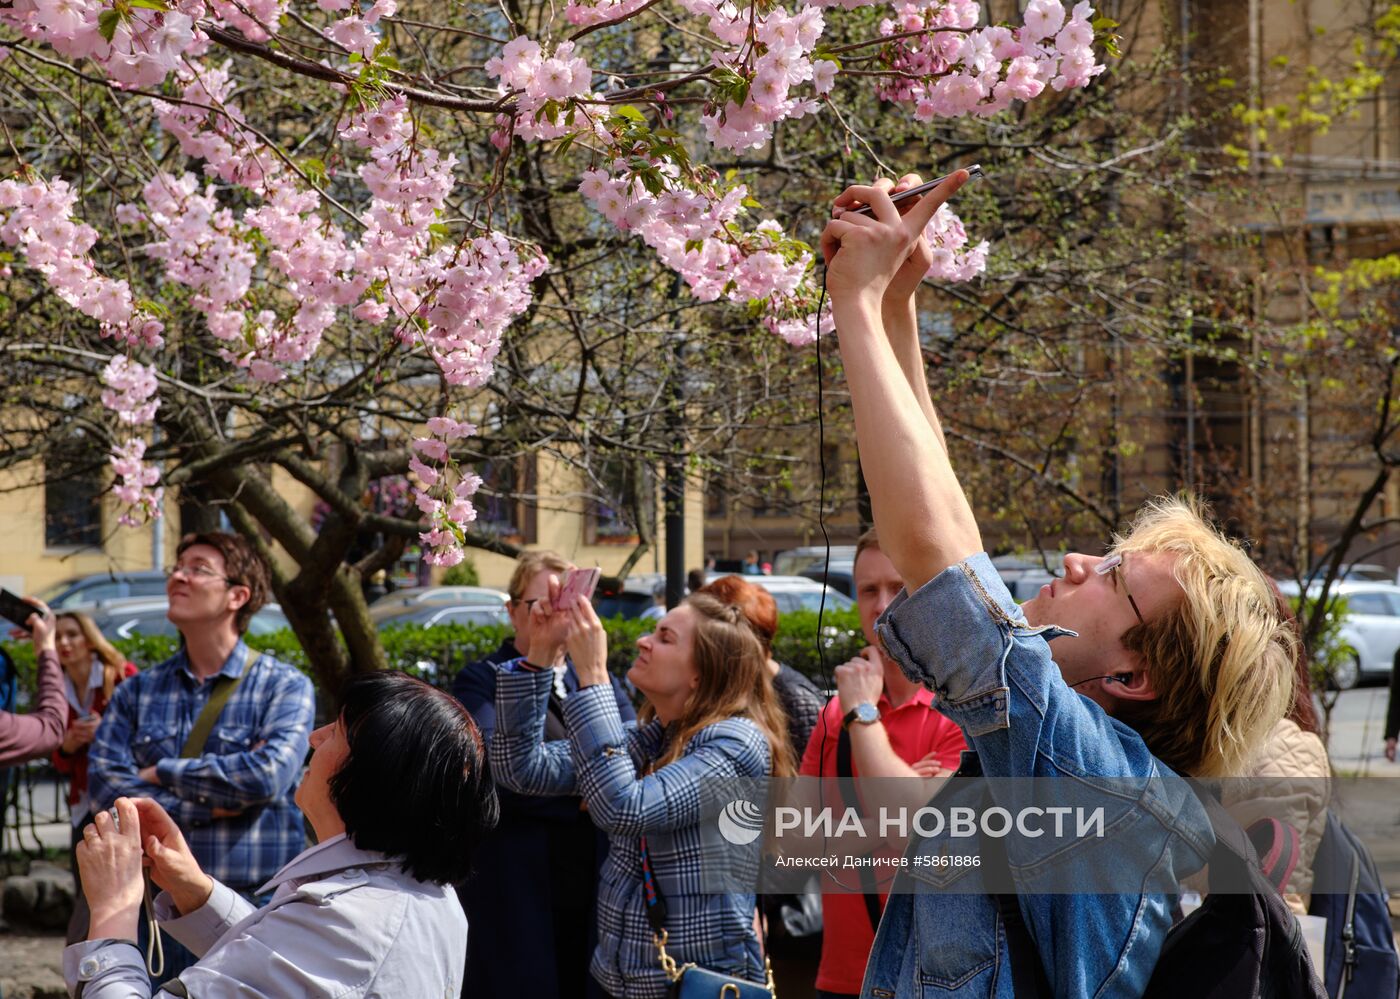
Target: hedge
437,653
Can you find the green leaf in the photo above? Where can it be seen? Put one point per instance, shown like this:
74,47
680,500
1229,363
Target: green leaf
629,112
107,23
148,4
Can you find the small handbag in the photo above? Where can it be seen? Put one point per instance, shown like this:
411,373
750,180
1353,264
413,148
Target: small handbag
689,980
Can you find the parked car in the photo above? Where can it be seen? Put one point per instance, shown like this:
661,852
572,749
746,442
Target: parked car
146,616
794,560
793,593
1359,572
625,597
402,601
1024,573
838,573
103,586
1370,632
429,614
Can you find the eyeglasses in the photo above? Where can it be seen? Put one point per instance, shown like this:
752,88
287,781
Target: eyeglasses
200,573
1114,564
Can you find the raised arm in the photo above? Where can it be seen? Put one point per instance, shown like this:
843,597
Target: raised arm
923,517
26,737
521,759
899,311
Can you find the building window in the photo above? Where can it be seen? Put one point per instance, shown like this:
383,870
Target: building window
73,509
503,507
624,490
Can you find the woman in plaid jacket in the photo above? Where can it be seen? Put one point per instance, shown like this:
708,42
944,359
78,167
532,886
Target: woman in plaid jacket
711,718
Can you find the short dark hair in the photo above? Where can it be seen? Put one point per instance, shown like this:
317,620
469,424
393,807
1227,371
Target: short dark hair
694,579
243,566
414,785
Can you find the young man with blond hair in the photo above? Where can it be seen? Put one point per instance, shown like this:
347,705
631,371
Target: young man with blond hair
1166,653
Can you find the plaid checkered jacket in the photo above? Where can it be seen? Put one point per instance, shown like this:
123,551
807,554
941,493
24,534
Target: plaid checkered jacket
251,761
604,761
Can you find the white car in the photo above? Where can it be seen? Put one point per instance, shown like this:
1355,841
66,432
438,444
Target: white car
1370,633
793,593
402,602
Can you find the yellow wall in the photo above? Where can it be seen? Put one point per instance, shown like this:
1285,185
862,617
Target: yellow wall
27,565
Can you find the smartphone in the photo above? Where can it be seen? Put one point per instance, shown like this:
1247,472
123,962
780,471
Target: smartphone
975,170
14,609
577,583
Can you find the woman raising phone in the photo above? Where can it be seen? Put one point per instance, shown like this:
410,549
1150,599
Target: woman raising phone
710,715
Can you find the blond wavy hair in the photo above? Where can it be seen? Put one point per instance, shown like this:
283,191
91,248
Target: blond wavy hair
1222,660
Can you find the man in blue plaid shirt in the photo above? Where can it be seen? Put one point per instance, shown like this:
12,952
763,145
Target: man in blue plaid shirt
232,800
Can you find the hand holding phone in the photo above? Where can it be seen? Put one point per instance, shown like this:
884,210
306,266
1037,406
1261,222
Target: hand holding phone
974,172
19,610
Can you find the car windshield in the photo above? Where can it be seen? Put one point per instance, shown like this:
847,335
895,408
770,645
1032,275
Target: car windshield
812,600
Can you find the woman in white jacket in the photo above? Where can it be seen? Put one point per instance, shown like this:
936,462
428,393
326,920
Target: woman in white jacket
397,795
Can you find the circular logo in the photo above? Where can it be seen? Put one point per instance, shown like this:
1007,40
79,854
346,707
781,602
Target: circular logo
741,822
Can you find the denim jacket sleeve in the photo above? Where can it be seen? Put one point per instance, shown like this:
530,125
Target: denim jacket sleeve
619,800
521,758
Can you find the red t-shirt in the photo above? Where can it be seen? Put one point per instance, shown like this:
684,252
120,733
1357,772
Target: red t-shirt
915,730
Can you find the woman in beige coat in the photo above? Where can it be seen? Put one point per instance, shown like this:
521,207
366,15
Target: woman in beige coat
397,795
1288,780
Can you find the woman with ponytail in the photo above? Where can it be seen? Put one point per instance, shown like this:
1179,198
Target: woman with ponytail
710,717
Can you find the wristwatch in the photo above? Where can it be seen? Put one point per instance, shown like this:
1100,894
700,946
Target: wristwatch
864,713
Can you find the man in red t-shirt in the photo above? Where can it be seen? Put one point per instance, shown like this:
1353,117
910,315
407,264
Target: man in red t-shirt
894,732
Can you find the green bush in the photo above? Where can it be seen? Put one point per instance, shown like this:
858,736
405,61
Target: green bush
796,643
436,654
462,574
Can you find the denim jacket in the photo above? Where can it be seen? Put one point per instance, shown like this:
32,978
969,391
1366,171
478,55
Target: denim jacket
962,635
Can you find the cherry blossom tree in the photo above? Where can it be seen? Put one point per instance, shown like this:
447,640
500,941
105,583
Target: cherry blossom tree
379,240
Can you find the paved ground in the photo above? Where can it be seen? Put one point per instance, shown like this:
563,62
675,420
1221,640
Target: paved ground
30,964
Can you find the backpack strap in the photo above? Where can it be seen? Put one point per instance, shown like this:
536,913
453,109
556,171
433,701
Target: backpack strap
1278,848
845,774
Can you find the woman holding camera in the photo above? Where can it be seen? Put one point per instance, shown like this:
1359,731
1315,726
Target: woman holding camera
710,717
397,795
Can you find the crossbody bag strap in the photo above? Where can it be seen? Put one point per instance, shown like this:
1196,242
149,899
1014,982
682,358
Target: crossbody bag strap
845,777
655,903
224,686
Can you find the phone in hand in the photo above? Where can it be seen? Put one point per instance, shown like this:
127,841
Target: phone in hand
14,609
577,583
914,192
